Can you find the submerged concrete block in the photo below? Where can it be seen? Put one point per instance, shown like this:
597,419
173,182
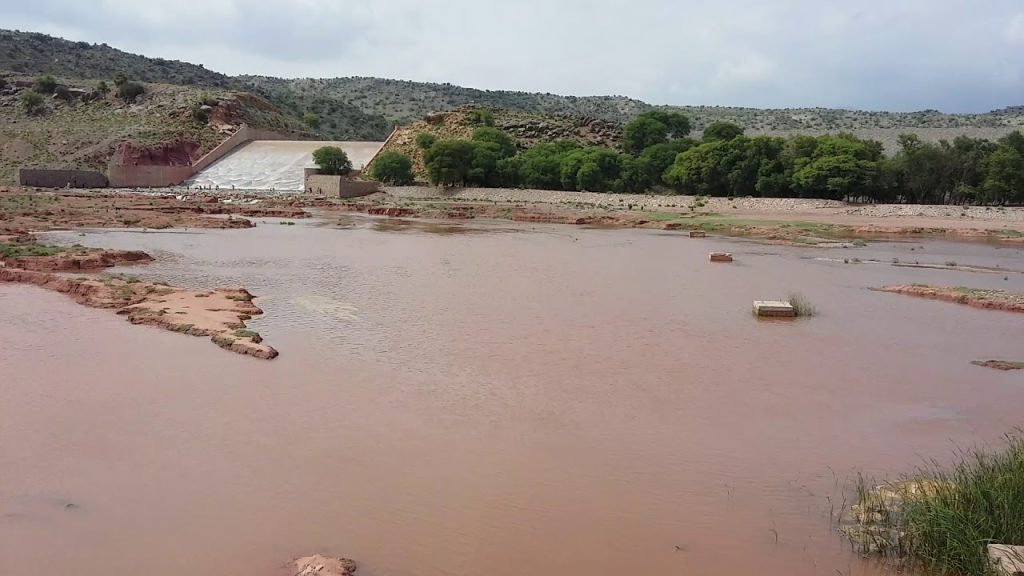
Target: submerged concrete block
774,309
720,257
1007,560
697,234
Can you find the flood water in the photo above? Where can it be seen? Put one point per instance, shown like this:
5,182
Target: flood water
488,399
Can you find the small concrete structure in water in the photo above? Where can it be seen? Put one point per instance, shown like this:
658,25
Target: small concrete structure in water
774,309
697,234
720,257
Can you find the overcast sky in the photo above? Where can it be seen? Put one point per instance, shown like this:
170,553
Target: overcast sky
953,55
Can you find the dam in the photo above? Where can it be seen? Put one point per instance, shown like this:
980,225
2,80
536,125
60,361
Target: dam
274,164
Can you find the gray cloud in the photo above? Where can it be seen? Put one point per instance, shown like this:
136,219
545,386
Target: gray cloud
954,55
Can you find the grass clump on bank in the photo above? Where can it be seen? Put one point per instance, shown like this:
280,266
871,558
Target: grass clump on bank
801,305
943,520
26,250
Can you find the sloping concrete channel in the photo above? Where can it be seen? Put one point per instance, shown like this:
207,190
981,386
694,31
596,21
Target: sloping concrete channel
274,164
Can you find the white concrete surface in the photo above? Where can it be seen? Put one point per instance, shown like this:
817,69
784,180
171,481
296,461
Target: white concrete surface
274,164
774,308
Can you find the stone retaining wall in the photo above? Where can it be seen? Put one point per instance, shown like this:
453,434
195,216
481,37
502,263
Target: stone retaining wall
45,178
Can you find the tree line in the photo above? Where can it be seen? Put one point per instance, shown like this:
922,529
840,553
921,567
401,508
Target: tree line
659,154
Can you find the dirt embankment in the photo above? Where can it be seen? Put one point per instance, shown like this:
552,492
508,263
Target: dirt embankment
988,299
782,221
23,210
217,314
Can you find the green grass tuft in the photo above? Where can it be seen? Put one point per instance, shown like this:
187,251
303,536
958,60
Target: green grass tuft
14,250
801,305
942,519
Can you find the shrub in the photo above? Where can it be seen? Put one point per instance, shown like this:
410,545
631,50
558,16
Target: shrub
332,160
31,102
45,85
424,140
130,91
119,79
200,113
102,88
312,120
392,167
801,305
480,117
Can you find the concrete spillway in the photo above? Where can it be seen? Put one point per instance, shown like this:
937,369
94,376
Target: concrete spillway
274,164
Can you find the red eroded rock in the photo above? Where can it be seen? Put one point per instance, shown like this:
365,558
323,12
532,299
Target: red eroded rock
391,211
180,153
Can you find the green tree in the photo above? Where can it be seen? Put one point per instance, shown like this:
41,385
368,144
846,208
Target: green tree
968,158
483,168
832,166
490,134
1014,140
634,175
130,91
704,169
332,160
722,131
448,162
592,169
924,172
1005,180
393,168
424,140
31,102
312,120
508,171
833,177
102,88
45,85
656,159
119,79
541,165
653,127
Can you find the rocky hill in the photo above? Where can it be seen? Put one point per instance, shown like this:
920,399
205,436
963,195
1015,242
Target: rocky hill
526,129
82,128
32,53
368,108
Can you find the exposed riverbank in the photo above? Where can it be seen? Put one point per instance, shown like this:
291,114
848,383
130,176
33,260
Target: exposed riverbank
219,314
988,299
773,220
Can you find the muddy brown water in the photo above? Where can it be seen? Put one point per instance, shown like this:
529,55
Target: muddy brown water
460,399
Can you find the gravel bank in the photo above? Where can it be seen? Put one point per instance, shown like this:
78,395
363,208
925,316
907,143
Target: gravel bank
724,205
